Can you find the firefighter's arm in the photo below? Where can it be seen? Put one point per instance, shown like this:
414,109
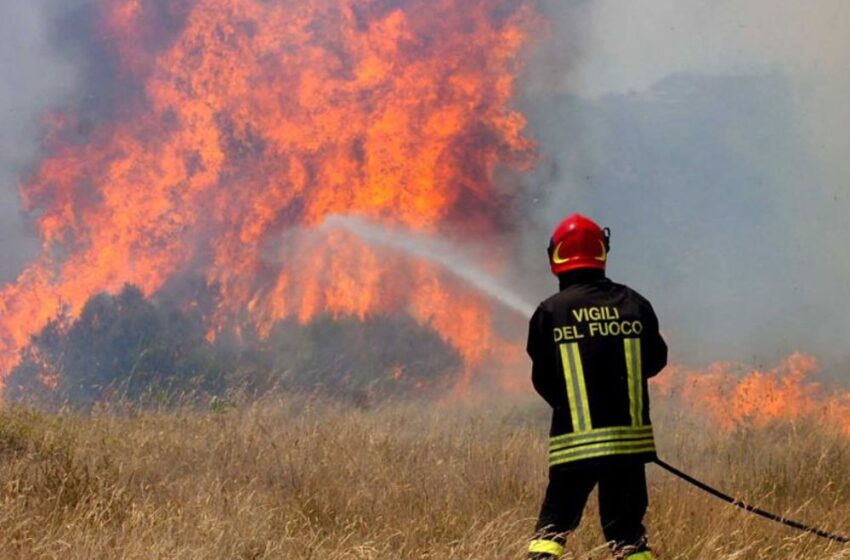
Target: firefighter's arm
656,348
541,351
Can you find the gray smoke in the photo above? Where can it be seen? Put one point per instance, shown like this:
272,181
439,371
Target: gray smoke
33,79
712,137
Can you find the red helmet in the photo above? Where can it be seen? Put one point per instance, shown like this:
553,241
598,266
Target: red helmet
578,242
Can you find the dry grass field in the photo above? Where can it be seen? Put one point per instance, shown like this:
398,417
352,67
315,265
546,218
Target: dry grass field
314,480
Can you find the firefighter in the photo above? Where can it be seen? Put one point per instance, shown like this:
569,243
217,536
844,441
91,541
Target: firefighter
593,346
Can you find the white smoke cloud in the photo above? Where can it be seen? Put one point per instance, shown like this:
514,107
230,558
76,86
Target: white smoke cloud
631,45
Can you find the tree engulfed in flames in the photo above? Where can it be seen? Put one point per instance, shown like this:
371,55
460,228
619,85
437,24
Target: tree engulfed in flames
733,397
248,120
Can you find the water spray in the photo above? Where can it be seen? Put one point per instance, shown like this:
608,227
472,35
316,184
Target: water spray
435,251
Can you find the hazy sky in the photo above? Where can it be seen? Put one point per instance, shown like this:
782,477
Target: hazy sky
712,136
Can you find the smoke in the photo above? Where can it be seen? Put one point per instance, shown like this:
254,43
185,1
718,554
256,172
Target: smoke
712,137
34,79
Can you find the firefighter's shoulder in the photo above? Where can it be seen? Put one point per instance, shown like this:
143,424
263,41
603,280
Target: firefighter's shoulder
637,296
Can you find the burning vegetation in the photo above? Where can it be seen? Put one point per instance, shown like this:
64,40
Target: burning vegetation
129,348
733,396
230,131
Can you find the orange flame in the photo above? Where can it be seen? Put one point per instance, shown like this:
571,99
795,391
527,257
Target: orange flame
733,397
255,119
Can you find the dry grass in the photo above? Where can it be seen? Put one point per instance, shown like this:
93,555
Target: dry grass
289,479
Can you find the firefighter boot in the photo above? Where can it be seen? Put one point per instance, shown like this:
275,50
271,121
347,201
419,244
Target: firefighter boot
543,549
645,555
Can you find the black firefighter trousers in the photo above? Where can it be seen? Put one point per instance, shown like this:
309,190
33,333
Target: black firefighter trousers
623,502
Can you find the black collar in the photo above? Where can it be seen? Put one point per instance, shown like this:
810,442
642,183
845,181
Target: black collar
581,276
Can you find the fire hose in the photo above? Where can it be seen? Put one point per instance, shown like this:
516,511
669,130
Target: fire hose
750,508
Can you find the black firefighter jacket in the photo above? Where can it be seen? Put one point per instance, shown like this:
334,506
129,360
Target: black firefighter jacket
593,346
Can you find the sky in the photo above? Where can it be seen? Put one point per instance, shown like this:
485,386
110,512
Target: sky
711,136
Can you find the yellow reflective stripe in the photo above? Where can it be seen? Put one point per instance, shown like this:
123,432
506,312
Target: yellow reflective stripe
646,555
572,440
554,462
635,379
627,344
572,387
607,446
601,450
542,546
639,380
600,433
582,389
576,389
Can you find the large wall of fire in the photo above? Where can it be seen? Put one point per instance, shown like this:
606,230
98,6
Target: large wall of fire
241,125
